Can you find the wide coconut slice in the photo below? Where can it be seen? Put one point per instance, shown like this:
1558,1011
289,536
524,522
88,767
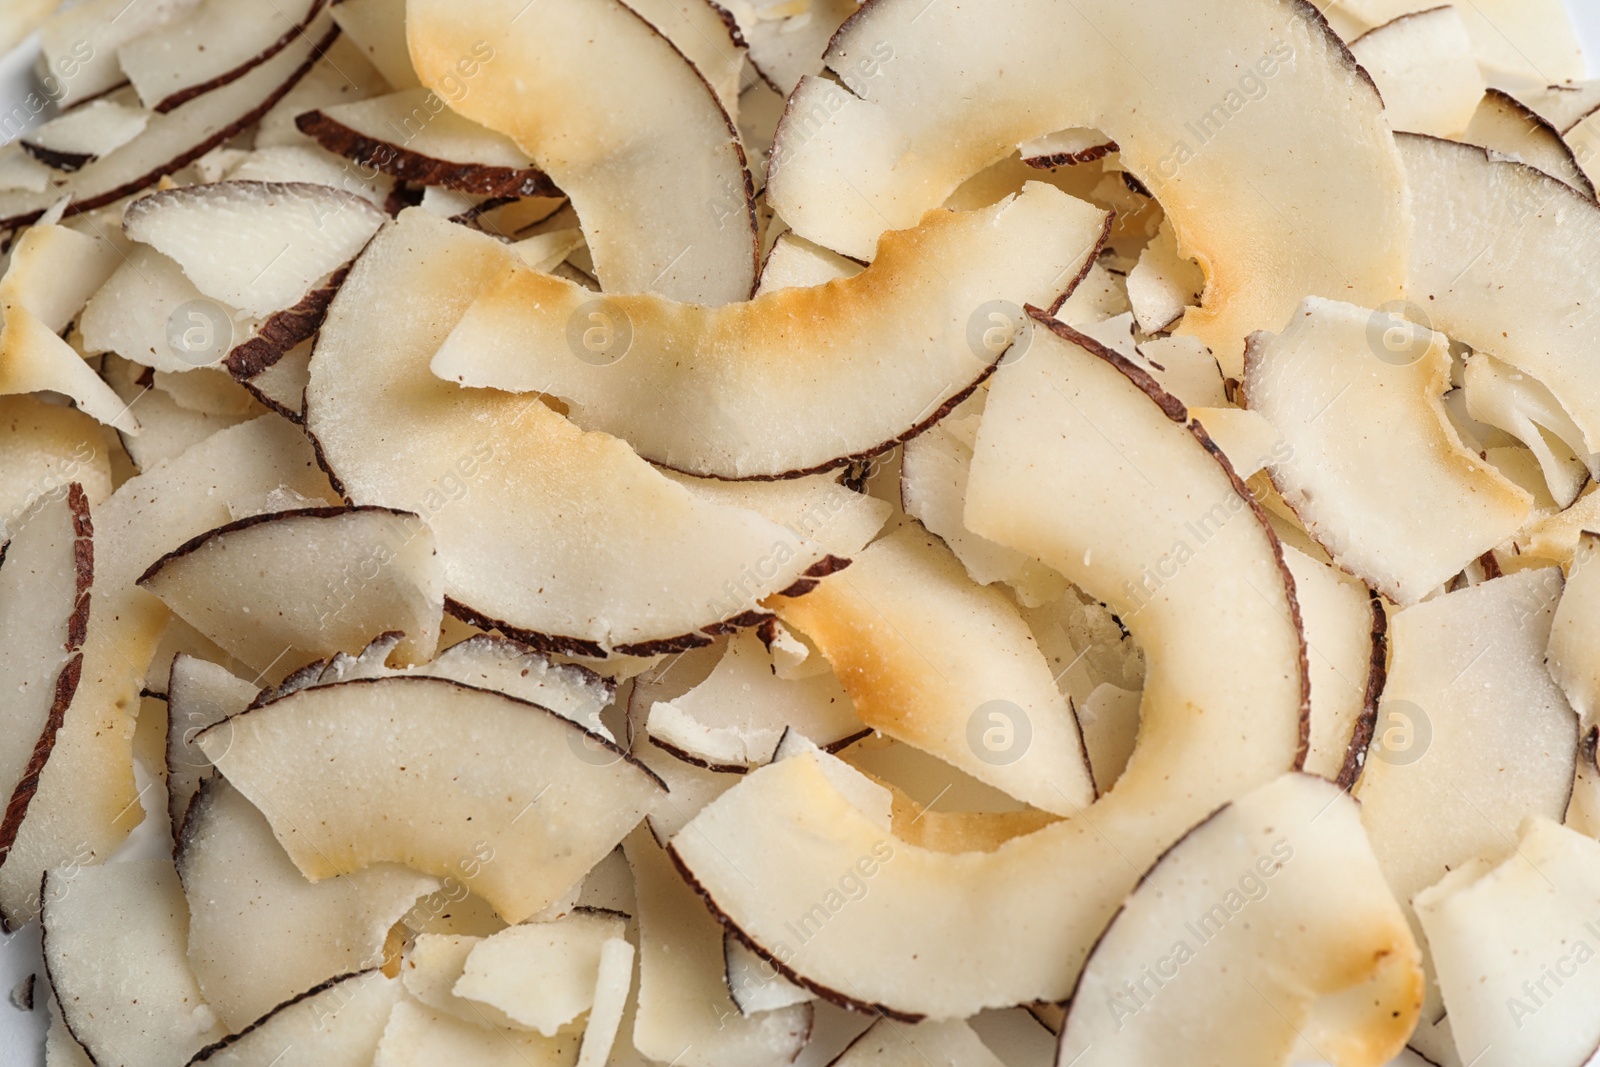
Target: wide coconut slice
1514,939
540,976
1374,469
114,940
622,123
335,1024
86,133
46,574
413,135
199,694
586,548
1472,736
887,1043
289,587
87,800
1505,125
710,391
256,246
931,659
45,447
1424,66
1498,262
218,42
420,1036
684,1009
173,140
734,719
520,826
1272,911
1263,80
258,931
1082,421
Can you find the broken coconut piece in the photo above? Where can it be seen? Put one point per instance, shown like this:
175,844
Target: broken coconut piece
587,549
709,391
287,587
612,989
519,825
540,975
1574,631
114,949
754,984
1263,80
940,663
650,159
256,246
1508,400
1079,415
1499,261
1277,899
787,40
1163,284
889,1044
1108,719
1424,66
259,932
1505,125
419,1036
1373,468
199,694
335,1024
1512,939
84,134
795,262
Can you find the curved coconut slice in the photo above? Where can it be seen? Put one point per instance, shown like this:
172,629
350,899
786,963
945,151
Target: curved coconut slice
84,134
796,263
1500,397
316,763
1505,125
217,42
114,950
1499,261
734,719
1163,284
1511,940
787,45
419,1036
708,391
34,359
341,75
684,1009
46,572
199,694
1275,898
45,447
1519,43
256,246
540,976
378,28
258,931
1262,80
1066,148
336,1024
1374,470
1471,737
177,138
150,313
413,135
626,559
1080,491
87,800
651,160
1424,66
889,1044
291,586
935,661
708,37
79,45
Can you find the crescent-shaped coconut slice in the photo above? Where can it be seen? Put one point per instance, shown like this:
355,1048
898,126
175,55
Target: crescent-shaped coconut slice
587,548
284,588
114,951
335,1024
1217,82
1424,66
217,42
1273,910
519,828
1373,468
938,662
1472,736
1110,482
1505,125
711,391
1515,938
258,931
1501,258
651,161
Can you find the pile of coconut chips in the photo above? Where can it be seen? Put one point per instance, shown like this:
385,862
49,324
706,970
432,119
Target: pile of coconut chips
638,532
